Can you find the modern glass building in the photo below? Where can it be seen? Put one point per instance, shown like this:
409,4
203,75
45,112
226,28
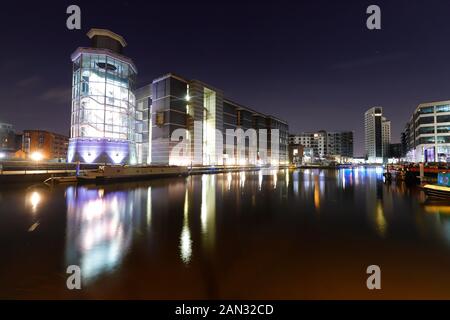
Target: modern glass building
103,123
205,118
427,135
113,123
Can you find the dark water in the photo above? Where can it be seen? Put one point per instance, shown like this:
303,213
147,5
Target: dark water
305,234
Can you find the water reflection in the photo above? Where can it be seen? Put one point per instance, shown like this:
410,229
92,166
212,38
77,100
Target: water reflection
99,228
35,199
185,238
208,208
194,220
316,192
149,207
242,179
380,220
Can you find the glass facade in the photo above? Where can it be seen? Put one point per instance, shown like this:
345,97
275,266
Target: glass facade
429,134
103,110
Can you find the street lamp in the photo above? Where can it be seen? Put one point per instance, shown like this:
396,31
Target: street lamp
36,156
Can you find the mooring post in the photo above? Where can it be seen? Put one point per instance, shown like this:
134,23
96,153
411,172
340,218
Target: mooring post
421,167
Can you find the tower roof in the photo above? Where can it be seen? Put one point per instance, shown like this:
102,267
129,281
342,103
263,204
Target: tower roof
106,33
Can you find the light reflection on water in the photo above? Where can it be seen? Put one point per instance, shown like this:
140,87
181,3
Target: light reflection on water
208,224
99,228
101,223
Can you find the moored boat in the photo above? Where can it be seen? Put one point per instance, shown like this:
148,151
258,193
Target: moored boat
441,190
113,173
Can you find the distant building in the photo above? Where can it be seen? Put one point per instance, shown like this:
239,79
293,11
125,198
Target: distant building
296,154
426,137
7,140
325,145
377,135
48,145
395,150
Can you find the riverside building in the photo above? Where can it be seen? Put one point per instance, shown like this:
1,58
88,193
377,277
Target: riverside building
209,121
112,122
325,144
103,103
426,137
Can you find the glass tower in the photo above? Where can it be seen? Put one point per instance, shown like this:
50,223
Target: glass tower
103,122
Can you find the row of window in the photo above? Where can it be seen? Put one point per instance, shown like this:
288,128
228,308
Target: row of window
431,130
432,109
429,140
429,120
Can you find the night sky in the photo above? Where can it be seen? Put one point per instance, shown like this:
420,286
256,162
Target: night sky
313,63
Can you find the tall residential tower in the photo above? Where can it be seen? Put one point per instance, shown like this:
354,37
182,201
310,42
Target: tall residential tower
377,135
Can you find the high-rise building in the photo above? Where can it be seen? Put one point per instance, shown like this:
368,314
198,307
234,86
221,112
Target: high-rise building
103,123
377,135
426,137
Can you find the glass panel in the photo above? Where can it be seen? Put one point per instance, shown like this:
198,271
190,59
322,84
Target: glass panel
426,130
443,129
443,108
441,119
443,139
103,103
425,110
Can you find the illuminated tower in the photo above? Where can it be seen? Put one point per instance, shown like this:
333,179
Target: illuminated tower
103,118
377,135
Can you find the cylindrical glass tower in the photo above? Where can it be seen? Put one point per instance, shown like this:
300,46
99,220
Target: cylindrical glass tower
103,104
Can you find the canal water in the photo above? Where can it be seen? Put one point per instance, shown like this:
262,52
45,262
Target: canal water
304,234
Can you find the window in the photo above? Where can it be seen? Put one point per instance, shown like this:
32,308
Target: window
426,130
443,108
425,110
441,119
160,118
426,120
426,140
444,139
443,129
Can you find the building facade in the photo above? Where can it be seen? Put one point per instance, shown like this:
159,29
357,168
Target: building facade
207,122
426,137
7,140
377,135
103,123
114,123
296,152
325,145
48,145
